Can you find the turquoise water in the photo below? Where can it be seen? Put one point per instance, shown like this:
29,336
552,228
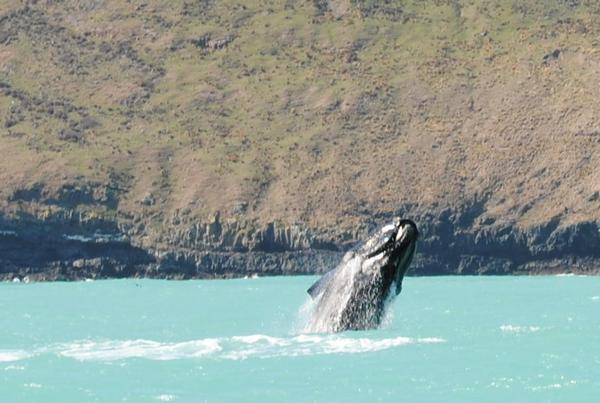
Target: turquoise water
448,339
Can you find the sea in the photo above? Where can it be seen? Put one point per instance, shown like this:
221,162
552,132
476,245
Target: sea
444,339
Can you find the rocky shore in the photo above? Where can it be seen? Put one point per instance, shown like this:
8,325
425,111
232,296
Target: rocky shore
76,247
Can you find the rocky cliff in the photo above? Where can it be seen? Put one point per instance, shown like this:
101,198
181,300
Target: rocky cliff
214,139
75,246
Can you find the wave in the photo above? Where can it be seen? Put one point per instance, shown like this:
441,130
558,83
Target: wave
13,355
165,398
226,348
153,350
519,329
266,347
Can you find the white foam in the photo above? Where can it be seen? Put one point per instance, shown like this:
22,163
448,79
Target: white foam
226,348
388,314
153,350
596,298
546,387
564,384
257,338
13,355
310,344
98,238
32,385
165,398
363,345
519,329
14,368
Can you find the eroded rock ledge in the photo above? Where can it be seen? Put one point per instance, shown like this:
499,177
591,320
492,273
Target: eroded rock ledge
69,246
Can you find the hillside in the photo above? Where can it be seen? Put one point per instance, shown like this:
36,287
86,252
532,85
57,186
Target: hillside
205,138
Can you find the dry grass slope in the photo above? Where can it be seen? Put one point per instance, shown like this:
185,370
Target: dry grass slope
319,112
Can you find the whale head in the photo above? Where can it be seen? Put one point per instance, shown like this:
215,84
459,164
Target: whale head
385,255
393,246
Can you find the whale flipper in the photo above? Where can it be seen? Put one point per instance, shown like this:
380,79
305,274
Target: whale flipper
321,283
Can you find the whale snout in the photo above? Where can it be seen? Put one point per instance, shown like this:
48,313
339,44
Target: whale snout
407,232
404,249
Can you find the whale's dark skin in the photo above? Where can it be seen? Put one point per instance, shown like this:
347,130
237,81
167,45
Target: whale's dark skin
353,296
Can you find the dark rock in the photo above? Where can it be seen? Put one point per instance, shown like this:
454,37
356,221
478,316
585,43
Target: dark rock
206,42
321,7
148,200
32,193
87,123
71,135
548,57
70,246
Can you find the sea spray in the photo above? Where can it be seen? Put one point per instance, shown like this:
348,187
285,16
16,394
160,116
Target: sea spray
303,316
331,306
223,348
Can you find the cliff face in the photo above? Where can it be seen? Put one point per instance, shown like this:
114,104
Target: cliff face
214,139
70,247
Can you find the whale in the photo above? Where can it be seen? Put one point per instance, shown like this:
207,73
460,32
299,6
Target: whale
355,294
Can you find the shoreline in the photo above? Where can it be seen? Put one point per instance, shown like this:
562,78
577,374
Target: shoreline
59,249
42,277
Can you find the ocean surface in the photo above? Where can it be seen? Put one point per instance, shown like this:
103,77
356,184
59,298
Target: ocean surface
445,339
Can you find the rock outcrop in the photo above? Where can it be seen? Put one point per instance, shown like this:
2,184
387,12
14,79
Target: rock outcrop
71,247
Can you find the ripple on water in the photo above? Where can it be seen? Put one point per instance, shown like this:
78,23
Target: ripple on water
165,398
153,350
519,329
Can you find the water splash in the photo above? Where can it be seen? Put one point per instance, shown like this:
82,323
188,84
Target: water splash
325,313
519,329
304,315
13,355
225,348
332,305
388,313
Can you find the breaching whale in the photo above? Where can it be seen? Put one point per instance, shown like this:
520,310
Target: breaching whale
353,296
